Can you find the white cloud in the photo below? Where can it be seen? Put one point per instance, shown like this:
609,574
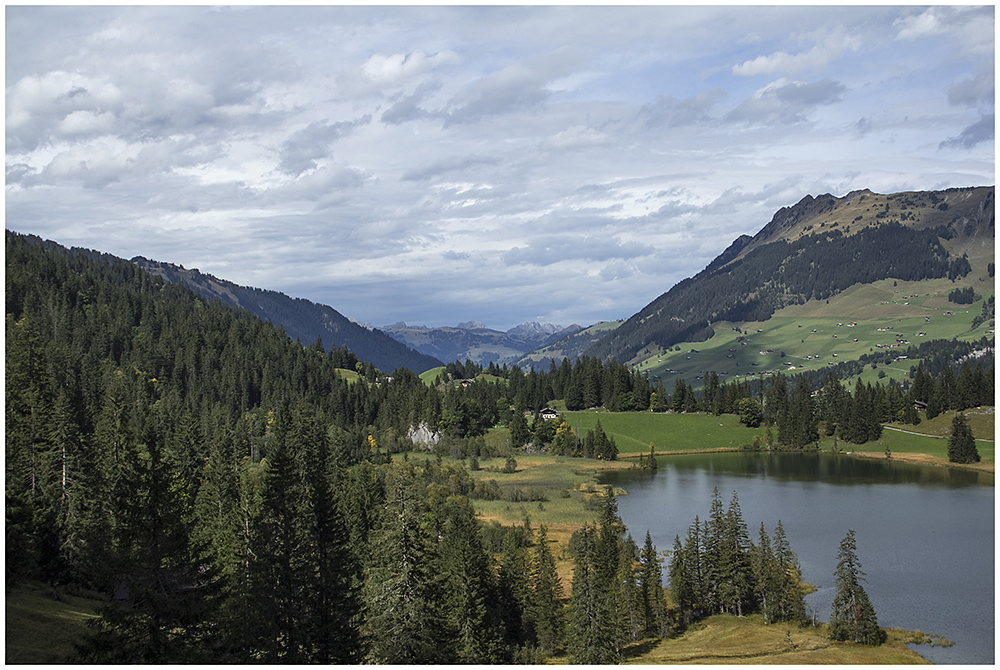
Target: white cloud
827,50
399,67
84,122
420,162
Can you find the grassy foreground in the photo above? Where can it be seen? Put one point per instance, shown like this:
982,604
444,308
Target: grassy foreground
46,623
726,639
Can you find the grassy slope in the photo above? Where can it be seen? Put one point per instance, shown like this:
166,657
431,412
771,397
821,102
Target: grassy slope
903,305
46,624
875,308
633,431
725,639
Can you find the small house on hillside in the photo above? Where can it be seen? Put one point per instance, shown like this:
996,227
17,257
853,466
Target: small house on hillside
549,413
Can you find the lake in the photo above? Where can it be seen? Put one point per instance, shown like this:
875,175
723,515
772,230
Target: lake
925,535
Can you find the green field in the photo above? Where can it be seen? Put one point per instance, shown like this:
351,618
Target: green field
633,431
811,339
47,623
726,639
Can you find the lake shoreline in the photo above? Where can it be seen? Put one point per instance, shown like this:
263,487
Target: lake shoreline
915,458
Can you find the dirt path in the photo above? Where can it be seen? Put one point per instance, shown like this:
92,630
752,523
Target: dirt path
937,437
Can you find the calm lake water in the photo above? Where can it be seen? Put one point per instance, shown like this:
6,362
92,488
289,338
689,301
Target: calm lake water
925,535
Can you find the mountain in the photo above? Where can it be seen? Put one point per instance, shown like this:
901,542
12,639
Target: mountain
813,251
569,346
300,318
473,341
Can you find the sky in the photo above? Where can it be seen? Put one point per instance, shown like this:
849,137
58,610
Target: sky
442,164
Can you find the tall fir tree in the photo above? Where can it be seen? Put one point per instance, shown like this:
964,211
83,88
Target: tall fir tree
853,618
654,605
961,442
404,619
547,611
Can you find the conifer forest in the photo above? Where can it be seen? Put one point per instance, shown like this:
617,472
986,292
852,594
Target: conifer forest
239,499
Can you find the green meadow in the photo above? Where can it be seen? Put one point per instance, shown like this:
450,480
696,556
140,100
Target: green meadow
47,622
817,334
633,431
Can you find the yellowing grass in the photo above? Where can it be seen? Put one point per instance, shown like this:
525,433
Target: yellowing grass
725,639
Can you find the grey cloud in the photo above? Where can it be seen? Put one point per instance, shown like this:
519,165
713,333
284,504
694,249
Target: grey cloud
982,130
787,102
550,250
504,95
863,126
301,151
980,90
450,164
669,111
407,108
516,87
16,172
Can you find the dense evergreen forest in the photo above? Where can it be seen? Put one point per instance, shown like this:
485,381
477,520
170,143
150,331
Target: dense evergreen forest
238,499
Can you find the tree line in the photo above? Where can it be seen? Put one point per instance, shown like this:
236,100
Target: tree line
794,411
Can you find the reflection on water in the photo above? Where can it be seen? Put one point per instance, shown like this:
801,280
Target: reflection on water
925,534
833,469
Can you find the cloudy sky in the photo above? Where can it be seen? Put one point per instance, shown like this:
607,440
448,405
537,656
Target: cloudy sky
443,164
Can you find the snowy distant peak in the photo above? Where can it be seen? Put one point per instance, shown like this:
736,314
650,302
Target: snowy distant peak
473,340
534,329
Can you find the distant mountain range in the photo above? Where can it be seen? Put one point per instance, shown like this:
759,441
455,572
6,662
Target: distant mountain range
302,319
473,341
812,250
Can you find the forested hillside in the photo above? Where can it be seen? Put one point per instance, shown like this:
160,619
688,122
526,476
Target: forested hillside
301,319
235,498
811,252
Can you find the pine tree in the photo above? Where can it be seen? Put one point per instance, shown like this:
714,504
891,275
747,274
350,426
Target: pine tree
593,639
961,442
468,589
654,605
790,601
404,621
164,610
519,433
853,618
682,589
514,596
764,575
547,596
734,586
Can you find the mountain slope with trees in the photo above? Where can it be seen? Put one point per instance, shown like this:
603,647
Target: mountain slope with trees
302,319
813,251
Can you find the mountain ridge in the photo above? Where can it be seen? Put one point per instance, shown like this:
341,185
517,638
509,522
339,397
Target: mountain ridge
813,249
302,319
472,340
